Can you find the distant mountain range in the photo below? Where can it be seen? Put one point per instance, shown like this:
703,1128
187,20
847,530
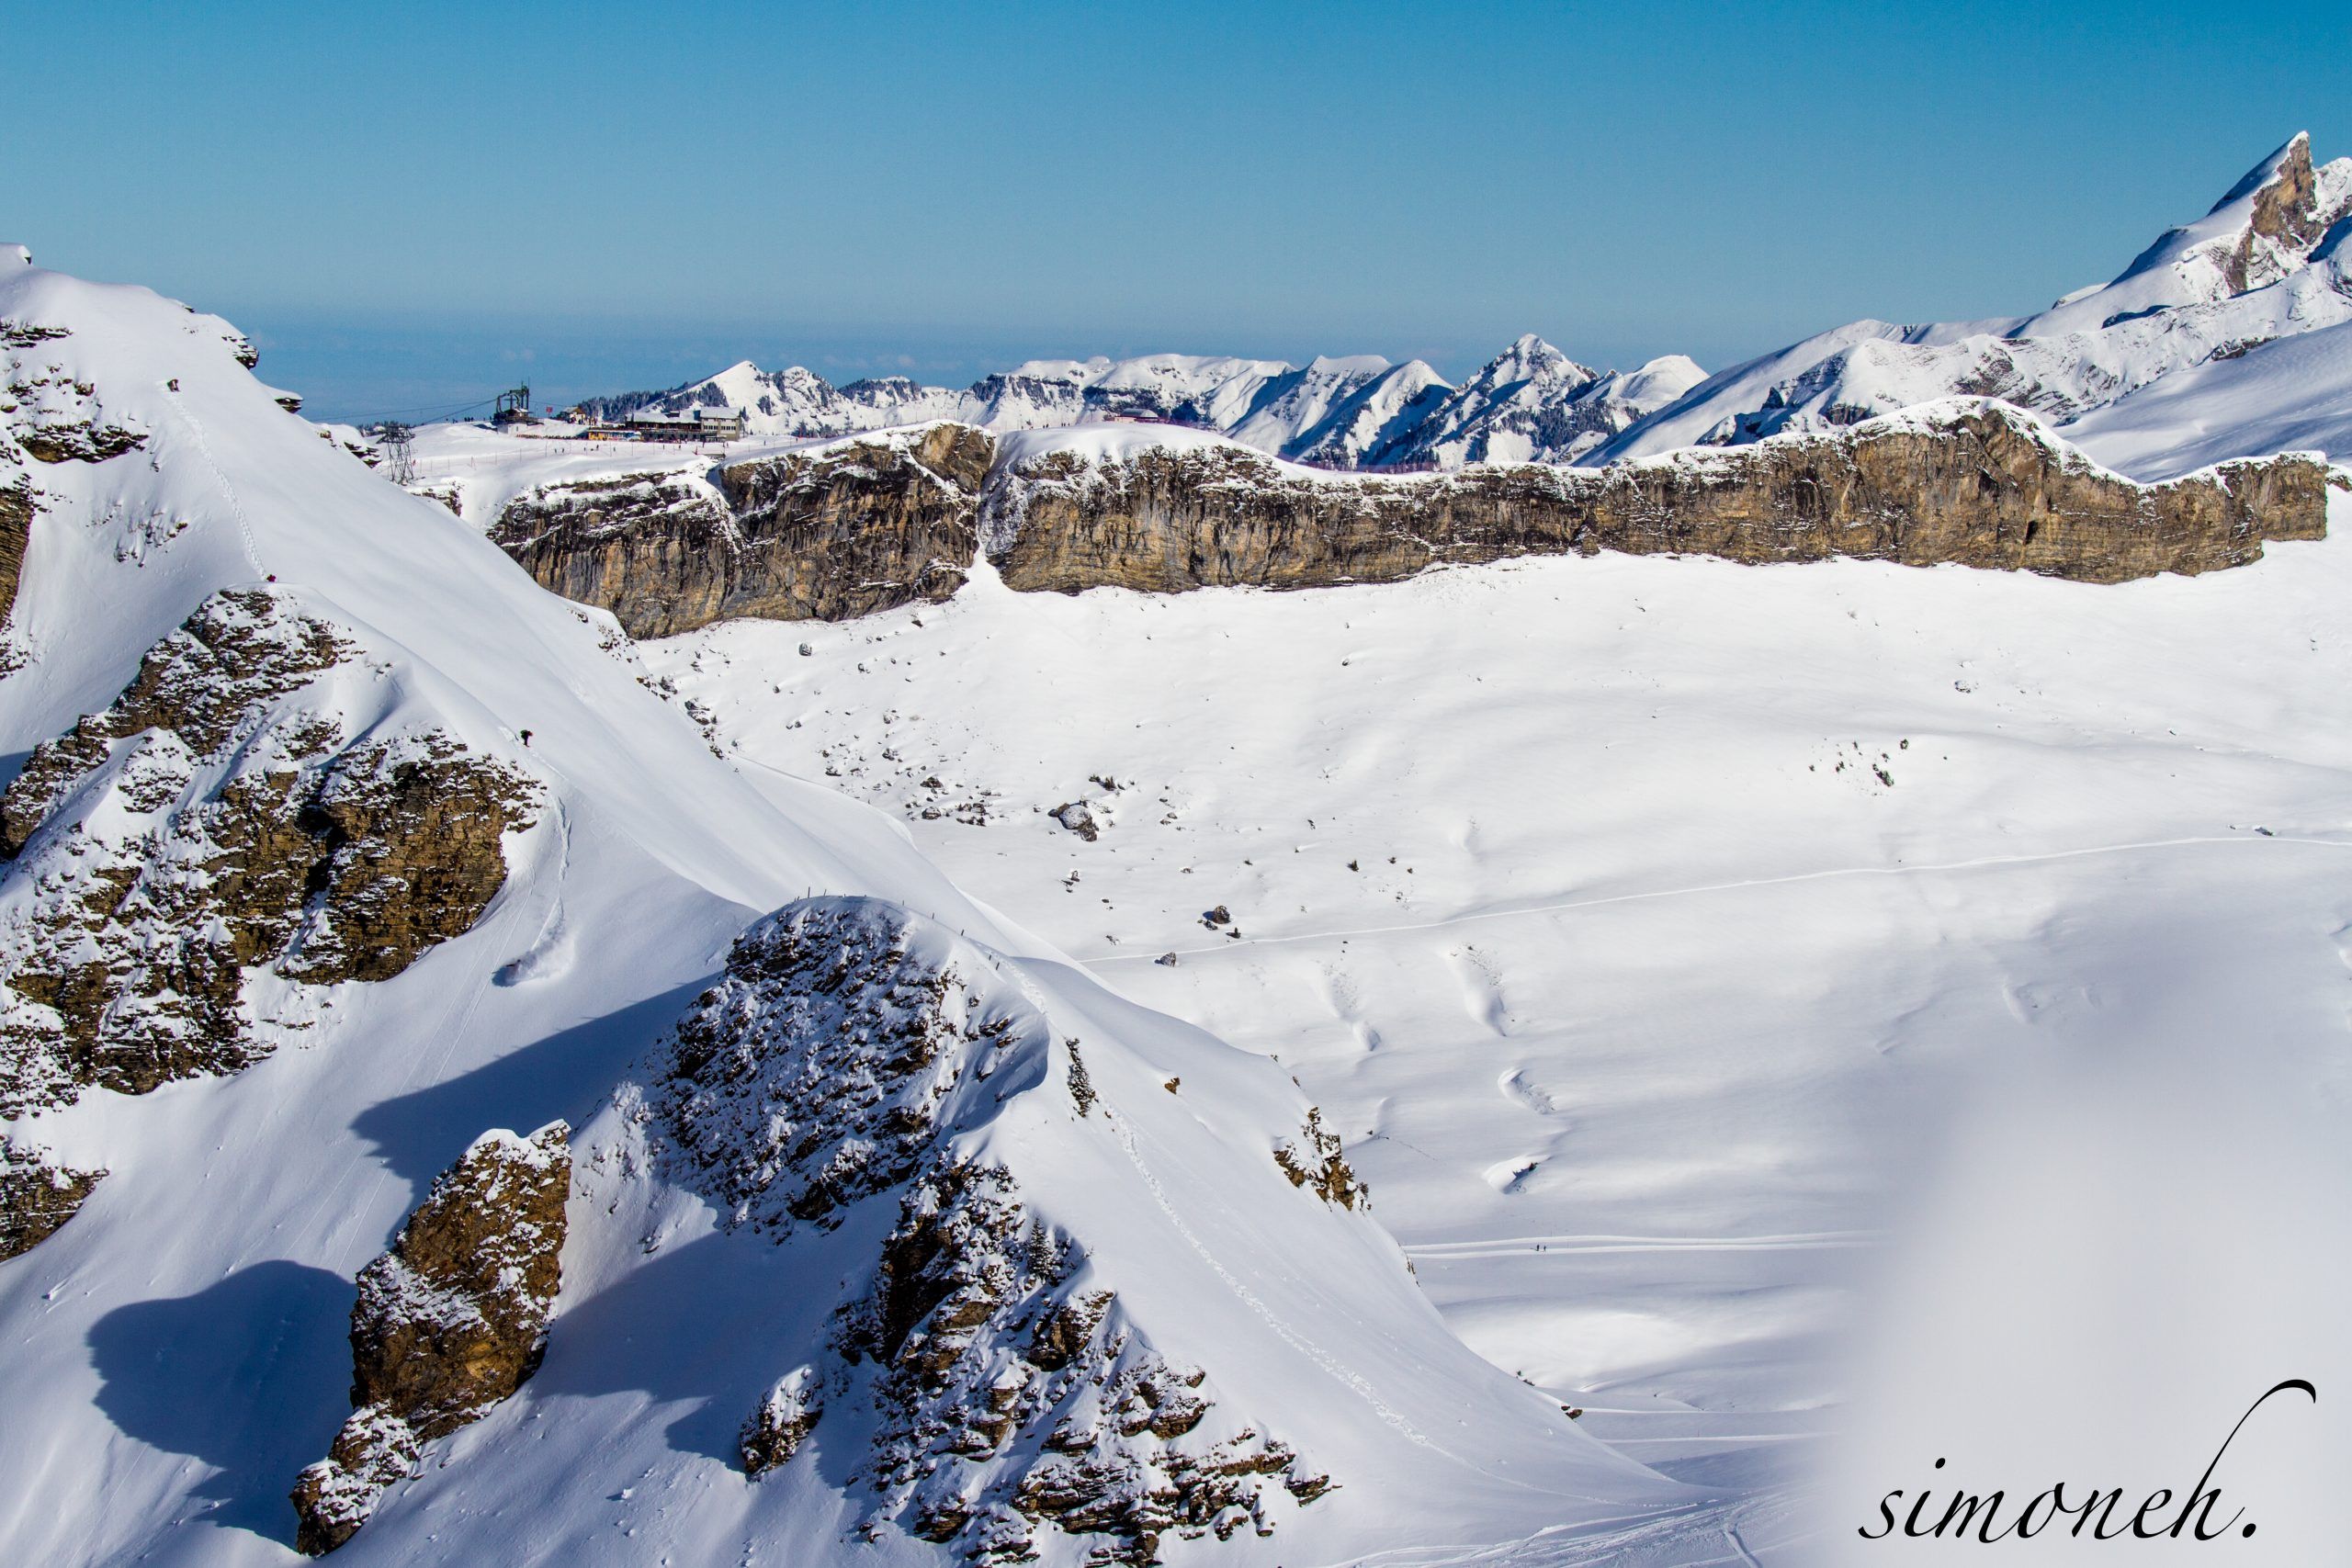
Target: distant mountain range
2265,265
1532,402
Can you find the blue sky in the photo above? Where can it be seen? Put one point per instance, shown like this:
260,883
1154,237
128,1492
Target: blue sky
412,205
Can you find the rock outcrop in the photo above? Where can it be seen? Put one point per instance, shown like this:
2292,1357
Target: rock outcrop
37,1197
827,533
1972,482
450,1321
15,537
849,1057
215,819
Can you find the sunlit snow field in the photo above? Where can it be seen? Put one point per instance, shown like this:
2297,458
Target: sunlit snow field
1641,920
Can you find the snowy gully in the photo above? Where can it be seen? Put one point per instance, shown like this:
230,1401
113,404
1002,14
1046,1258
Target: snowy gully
2045,1508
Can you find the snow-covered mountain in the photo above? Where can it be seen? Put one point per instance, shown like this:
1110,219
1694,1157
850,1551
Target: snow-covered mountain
338,852
1530,402
2266,263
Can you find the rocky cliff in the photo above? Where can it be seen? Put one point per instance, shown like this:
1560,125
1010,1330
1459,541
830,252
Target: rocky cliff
824,534
449,1322
211,821
16,532
37,1195
1970,481
866,526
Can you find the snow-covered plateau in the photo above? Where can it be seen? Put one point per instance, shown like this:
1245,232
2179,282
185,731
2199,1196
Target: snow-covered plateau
880,995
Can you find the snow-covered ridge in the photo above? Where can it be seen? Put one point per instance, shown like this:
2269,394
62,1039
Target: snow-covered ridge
2264,264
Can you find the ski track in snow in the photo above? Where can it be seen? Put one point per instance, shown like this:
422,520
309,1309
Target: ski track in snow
1570,1245
1515,912
1249,1298
236,507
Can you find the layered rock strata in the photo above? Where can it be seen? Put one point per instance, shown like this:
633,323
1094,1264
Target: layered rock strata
1975,484
867,525
841,531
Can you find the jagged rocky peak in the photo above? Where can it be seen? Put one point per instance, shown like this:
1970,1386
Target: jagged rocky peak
450,1321
232,809
2293,206
1013,1352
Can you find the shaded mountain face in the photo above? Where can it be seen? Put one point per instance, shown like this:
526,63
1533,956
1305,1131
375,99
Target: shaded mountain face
2260,266
1532,402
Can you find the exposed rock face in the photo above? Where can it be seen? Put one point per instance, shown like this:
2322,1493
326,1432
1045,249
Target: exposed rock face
781,1423
208,823
890,520
37,1197
1975,483
1315,1163
848,1045
826,535
15,535
51,417
449,1322
2287,218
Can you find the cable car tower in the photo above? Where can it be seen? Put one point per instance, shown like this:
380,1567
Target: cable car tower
514,408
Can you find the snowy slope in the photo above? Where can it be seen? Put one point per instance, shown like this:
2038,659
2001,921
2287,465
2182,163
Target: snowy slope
2259,266
2293,394
175,1352
1641,920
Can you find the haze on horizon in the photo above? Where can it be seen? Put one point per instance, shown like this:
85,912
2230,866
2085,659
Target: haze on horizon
414,207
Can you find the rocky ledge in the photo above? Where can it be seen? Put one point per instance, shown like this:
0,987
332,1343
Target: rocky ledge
826,534
449,1322
1972,482
36,1197
215,819
866,524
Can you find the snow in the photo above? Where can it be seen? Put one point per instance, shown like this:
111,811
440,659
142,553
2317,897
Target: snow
2177,307
2289,395
1702,964
1531,401
177,1352
1571,891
